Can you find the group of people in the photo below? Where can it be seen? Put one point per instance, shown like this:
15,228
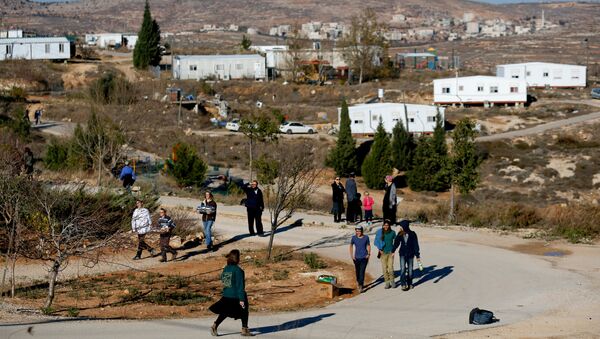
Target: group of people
354,212
37,116
387,242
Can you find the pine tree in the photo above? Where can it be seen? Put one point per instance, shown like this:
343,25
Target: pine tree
343,157
429,170
464,160
147,50
187,167
378,162
439,136
403,147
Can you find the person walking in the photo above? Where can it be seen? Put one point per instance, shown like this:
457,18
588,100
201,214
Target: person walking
389,200
408,244
28,159
351,193
37,115
166,226
208,209
384,241
368,203
254,208
141,224
127,176
234,300
360,255
337,196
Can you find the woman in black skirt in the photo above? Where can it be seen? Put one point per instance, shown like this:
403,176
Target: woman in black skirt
234,302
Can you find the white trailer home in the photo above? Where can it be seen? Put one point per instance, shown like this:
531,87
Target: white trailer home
364,118
106,40
223,67
544,74
480,89
35,48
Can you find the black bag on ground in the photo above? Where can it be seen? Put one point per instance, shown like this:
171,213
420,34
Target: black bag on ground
481,317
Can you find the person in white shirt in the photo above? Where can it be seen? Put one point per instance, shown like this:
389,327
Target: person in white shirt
141,224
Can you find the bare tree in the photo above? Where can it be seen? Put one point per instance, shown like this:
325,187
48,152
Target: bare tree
258,129
100,144
296,44
70,223
288,178
363,44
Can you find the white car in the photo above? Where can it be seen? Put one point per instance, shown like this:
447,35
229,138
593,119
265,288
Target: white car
233,125
296,127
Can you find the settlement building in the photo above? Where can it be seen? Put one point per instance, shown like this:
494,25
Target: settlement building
106,40
58,48
544,74
418,119
223,67
480,89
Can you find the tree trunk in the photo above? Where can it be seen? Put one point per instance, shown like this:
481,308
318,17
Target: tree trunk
360,77
451,215
271,238
53,274
250,159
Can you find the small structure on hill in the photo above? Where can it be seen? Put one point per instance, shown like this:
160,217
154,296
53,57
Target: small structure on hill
221,67
545,74
479,90
52,48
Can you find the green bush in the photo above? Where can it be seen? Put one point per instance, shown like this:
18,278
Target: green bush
57,155
187,167
313,261
73,312
112,88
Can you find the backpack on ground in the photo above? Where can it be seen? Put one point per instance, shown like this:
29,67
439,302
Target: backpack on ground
481,317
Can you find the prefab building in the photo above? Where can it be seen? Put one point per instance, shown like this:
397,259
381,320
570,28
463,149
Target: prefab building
479,89
544,74
106,40
419,119
35,48
223,67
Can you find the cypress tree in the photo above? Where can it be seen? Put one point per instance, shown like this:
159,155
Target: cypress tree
464,160
429,170
402,147
378,162
147,51
343,157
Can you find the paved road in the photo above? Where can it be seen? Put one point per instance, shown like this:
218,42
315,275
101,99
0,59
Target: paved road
541,128
458,276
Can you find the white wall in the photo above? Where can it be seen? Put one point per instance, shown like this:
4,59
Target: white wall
545,74
219,66
479,90
365,118
35,49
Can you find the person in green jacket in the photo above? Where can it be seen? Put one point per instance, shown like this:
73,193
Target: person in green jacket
234,301
384,241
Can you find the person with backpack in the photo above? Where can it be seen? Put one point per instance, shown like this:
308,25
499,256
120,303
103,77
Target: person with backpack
166,226
408,244
337,196
234,300
384,241
127,176
360,255
368,203
208,209
141,224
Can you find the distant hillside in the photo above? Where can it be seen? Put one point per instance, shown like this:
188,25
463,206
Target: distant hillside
184,15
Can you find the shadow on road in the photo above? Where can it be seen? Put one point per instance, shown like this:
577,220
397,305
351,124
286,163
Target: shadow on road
290,325
431,273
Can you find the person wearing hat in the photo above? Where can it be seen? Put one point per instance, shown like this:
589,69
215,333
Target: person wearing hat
360,255
141,223
407,244
127,176
351,197
389,200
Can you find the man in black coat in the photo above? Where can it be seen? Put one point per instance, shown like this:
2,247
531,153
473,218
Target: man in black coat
408,242
337,196
254,207
351,196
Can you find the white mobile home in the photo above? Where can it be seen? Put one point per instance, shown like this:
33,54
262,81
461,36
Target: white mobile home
419,119
544,74
223,67
479,90
106,40
35,48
